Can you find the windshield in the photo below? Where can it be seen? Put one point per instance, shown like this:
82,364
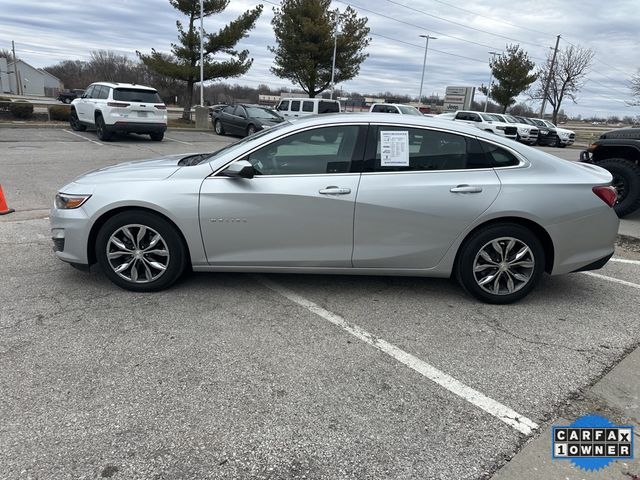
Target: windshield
263,113
540,123
409,110
549,124
511,119
490,118
526,120
240,143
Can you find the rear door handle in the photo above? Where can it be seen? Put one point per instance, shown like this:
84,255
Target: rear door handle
332,190
466,189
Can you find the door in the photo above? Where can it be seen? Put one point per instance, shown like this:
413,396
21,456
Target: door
83,106
418,192
297,211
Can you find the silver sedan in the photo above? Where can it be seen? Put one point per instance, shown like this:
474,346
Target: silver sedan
371,194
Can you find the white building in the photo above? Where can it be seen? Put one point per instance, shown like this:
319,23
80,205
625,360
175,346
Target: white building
32,81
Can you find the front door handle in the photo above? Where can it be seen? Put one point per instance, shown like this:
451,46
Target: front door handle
466,189
332,190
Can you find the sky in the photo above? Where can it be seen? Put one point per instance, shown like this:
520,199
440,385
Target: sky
46,32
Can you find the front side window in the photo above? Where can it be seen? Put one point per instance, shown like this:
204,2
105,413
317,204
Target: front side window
284,105
295,106
318,151
240,112
417,149
409,110
90,91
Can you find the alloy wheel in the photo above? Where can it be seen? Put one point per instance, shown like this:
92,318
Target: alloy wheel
503,266
137,253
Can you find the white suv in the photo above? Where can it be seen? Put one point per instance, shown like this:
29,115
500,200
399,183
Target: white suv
485,121
119,107
394,108
526,133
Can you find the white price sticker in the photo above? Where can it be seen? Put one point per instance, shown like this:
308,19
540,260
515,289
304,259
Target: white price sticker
394,149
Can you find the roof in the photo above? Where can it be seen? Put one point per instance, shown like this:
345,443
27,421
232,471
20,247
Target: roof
47,73
123,85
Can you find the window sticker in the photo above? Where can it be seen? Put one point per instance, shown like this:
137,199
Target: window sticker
394,149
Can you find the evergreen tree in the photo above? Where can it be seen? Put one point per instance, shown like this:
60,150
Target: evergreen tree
512,73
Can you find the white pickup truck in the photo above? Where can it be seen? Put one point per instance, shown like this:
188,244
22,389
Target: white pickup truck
484,121
526,133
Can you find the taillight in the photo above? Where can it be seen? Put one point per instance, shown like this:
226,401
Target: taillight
118,104
161,107
607,194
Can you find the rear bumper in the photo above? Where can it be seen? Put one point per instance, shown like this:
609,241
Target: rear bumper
137,127
598,264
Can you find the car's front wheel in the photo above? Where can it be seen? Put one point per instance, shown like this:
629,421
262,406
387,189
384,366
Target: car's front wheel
74,122
157,136
140,251
500,263
217,126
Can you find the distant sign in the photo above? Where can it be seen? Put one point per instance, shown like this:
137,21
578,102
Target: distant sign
458,98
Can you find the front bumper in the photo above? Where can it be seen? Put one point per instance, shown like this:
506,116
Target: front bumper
70,233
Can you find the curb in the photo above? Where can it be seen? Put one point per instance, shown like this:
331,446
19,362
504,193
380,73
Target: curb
65,125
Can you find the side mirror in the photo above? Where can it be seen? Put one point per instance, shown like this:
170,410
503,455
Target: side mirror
241,168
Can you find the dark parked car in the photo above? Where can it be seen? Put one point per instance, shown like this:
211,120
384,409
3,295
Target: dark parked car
244,120
67,96
547,137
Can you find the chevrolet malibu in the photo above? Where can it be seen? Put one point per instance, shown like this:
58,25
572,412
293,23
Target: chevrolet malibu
370,194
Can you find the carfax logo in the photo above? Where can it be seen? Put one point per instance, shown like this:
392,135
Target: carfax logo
592,442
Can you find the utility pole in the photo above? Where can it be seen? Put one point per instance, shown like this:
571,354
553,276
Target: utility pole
336,18
486,103
546,87
15,68
201,58
424,65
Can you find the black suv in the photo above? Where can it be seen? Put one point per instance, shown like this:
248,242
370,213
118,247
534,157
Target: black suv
618,151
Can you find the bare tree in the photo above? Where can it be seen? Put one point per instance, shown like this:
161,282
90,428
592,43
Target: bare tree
635,89
566,78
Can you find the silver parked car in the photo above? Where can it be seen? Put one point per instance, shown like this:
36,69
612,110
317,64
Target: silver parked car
372,194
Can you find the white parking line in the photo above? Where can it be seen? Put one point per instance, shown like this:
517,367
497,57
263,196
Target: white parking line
498,410
83,137
179,141
624,260
611,279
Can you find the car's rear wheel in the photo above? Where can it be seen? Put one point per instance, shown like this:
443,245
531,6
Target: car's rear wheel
626,180
74,122
140,251
157,137
101,130
217,126
500,263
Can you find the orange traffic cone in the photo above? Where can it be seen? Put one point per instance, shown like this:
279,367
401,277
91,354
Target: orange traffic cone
3,204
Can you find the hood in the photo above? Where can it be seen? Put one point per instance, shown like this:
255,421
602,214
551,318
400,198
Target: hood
564,131
269,122
154,169
626,133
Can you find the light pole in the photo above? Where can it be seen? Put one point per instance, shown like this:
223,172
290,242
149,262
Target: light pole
336,19
201,58
424,66
486,103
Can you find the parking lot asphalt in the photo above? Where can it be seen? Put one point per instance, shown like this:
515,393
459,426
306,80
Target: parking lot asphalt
274,376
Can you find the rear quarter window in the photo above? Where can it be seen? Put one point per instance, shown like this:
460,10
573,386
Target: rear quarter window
328,107
498,157
136,95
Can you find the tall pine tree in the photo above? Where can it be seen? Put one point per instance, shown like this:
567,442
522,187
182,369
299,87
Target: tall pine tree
512,72
184,64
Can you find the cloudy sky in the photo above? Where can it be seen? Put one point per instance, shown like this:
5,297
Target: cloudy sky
47,31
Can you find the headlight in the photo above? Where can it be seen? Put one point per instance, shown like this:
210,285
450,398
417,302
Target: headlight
65,201
501,128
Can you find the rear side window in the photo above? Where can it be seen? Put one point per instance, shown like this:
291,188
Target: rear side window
295,106
428,150
307,106
328,107
136,95
379,108
499,157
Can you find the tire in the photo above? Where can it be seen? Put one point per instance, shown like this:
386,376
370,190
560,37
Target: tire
67,100
157,136
251,129
217,126
148,272
74,122
514,278
101,130
556,142
626,180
